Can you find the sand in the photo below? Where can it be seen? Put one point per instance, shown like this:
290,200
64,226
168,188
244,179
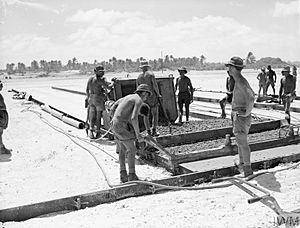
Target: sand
46,164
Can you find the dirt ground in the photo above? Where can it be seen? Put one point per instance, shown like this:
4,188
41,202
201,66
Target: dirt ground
46,164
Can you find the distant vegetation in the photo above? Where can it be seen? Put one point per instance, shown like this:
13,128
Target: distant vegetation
128,65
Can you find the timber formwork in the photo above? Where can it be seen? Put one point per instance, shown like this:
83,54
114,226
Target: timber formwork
171,162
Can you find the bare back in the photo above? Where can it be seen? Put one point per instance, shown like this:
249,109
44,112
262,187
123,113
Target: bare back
128,108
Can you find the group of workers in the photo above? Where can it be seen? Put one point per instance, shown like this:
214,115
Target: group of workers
147,98
287,90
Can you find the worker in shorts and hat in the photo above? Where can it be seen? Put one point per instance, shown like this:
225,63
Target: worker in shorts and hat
96,90
3,124
147,77
287,90
242,105
125,127
228,97
262,81
185,94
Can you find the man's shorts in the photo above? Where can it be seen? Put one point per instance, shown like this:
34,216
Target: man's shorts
152,101
3,119
122,131
272,83
98,101
241,125
184,98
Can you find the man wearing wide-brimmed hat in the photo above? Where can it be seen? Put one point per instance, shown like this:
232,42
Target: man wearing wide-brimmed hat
96,90
287,90
185,94
125,126
242,105
262,81
147,77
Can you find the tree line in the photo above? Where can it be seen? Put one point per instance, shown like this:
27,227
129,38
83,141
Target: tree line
169,62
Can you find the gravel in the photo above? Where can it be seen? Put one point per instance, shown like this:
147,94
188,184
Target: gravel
210,144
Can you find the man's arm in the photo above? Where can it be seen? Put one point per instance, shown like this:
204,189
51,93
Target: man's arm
134,118
176,84
275,77
155,86
88,88
191,90
280,91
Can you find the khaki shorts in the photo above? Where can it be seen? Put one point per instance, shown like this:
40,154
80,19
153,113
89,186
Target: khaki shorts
241,125
98,101
122,131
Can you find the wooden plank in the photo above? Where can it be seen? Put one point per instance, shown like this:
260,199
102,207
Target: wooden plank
260,160
226,151
211,168
186,138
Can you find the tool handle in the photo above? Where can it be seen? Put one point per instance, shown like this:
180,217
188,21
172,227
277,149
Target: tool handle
254,200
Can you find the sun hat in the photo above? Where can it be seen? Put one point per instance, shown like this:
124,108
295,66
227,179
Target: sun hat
143,88
144,63
99,68
235,61
286,69
182,69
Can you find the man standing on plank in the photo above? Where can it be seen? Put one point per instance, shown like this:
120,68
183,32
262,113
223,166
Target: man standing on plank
185,95
147,77
125,126
242,105
96,91
287,91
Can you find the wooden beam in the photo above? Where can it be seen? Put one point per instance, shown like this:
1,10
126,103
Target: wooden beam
78,202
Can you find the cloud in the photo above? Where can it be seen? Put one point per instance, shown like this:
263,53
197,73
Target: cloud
103,34
128,34
287,9
34,5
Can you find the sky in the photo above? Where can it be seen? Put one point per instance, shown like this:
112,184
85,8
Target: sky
101,29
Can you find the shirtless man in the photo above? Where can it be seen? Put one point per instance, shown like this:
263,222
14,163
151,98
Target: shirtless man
228,97
271,79
125,126
185,95
242,105
96,91
262,81
147,77
287,91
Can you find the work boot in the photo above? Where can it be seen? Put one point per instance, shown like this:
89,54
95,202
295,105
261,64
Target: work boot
132,177
247,170
154,133
4,150
123,176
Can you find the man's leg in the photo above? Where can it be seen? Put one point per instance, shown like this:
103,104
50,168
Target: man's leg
131,148
180,107
244,153
3,149
98,122
92,120
154,111
222,105
122,155
259,91
187,110
273,87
